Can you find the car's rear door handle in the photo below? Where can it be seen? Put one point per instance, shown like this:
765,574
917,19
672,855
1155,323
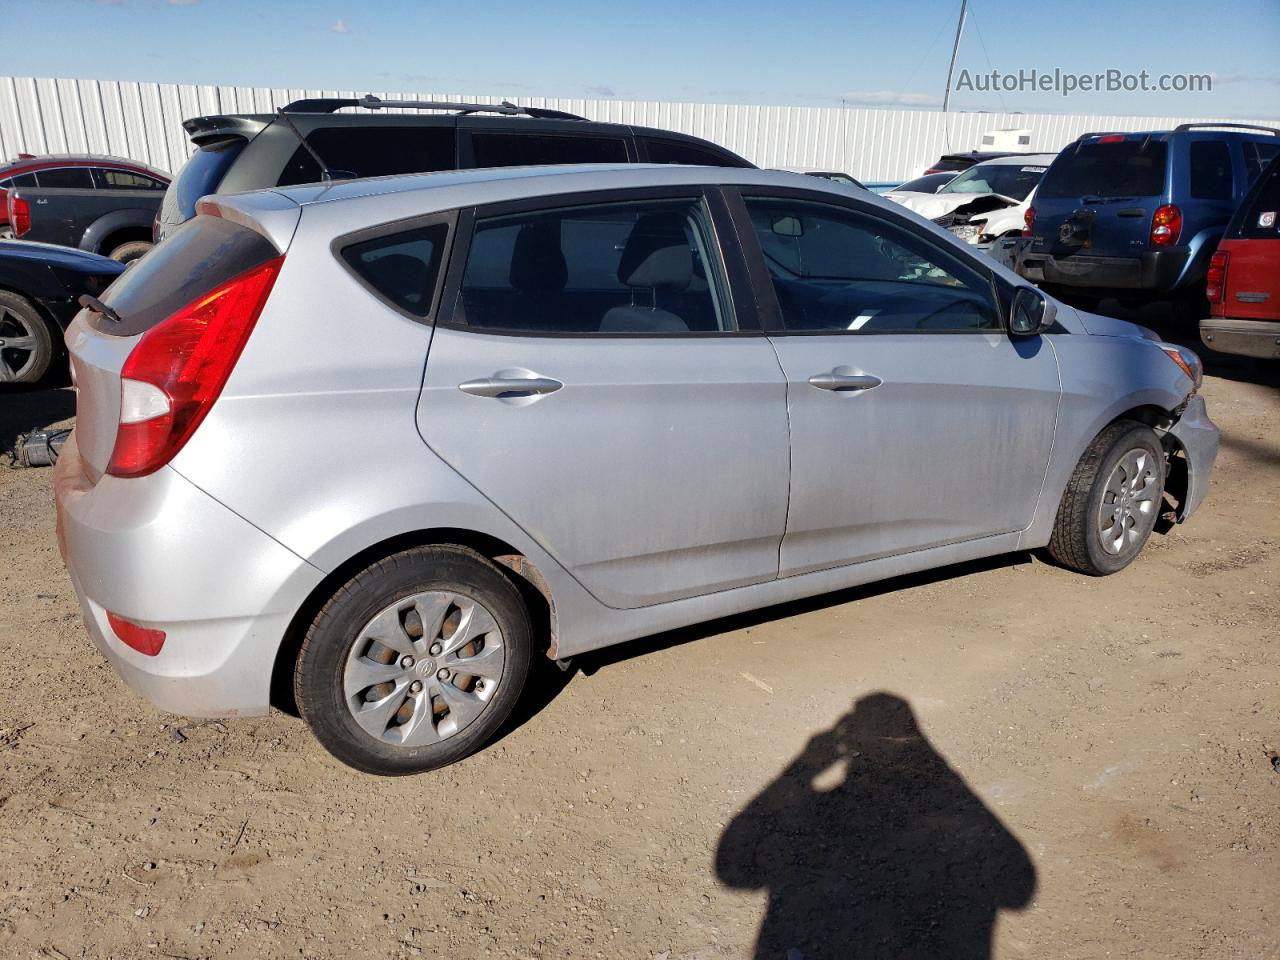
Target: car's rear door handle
510,386
844,382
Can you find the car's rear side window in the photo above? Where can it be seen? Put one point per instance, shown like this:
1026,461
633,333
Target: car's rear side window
677,151
196,257
1210,170
530,149
1128,168
1258,155
402,268
372,152
109,178
19,180
621,268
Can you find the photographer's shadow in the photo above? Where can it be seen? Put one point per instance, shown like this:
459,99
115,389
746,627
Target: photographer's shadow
871,846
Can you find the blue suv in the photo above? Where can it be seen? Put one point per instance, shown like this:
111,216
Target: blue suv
1137,216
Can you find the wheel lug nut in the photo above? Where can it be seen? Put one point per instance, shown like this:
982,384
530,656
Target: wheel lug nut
406,662
415,687
443,674
435,649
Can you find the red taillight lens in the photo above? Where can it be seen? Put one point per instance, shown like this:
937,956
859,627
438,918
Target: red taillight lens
19,215
1216,279
143,639
1166,225
1029,222
179,367
1112,138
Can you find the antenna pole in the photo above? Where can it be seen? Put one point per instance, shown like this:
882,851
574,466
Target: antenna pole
955,48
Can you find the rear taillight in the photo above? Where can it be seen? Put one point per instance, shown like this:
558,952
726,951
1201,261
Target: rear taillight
1029,222
145,640
1166,225
178,368
19,215
1112,138
1215,285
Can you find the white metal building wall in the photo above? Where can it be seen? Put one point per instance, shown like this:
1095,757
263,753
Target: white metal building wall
143,121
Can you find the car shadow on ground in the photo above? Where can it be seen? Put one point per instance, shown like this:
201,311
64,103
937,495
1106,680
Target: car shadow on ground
870,845
24,409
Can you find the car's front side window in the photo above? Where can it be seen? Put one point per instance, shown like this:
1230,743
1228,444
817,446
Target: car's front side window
834,269
643,267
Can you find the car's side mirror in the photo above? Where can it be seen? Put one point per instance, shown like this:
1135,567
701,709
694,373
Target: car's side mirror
1032,313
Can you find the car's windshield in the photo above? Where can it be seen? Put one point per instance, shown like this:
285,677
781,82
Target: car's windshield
1013,180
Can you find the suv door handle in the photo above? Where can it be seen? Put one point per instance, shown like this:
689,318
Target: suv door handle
510,386
844,382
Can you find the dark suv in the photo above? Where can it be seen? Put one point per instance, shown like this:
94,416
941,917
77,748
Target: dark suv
1138,215
308,141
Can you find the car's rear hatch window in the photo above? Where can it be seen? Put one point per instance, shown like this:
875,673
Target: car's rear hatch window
199,176
1124,168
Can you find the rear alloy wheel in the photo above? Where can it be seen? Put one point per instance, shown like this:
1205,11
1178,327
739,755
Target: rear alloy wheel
26,343
416,661
1112,501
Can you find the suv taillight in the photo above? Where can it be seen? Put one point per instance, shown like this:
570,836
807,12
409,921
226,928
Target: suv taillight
1166,224
178,368
1029,222
1215,285
19,215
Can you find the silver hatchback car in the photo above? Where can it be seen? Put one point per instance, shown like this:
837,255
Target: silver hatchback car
389,439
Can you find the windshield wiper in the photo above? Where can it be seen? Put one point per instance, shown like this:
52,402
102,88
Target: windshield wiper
90,302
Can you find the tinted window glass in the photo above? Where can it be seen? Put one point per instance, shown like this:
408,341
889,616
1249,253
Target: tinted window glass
372,152
1210,170
929,183
202,173
402,267
1258,155
1012,180
1259,215
21,180
77,178
519,150
621,268
676,151
836,270
108,179
1130,168
201,254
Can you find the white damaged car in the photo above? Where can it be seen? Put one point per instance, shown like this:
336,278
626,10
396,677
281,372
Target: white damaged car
985,202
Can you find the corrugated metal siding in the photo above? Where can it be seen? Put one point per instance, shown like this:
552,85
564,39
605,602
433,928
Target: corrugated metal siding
143,121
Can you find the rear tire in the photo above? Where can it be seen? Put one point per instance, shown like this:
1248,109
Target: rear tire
128,252
382,676
27,346
1111,502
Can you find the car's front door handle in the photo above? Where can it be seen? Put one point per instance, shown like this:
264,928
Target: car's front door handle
844,382
510,386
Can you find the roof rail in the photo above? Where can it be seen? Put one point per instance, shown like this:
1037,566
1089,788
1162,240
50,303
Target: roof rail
370,102
1235,126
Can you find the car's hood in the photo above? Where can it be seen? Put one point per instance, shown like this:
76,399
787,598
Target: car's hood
1100,326
56,256
934,205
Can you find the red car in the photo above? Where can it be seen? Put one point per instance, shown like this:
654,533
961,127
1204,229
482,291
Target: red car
81,171
1244,276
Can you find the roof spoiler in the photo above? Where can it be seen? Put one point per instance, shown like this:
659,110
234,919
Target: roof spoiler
370,102
204,131
1234,126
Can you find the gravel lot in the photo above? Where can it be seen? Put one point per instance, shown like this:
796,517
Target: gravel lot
996,759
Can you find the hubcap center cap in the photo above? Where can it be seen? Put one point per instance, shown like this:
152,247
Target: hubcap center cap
424,668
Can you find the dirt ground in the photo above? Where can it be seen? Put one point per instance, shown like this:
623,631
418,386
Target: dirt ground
998,759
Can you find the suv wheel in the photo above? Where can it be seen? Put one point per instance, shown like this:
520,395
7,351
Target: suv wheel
1112,501
128,252
415,662
26,342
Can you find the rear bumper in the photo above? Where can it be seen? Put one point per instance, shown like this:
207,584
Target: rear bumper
1156,271
1198,437
1248,338
160,552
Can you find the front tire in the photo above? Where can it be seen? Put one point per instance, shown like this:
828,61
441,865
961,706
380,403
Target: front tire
1111,502
128,252
415,662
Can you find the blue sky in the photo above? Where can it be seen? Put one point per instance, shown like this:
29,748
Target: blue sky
748,51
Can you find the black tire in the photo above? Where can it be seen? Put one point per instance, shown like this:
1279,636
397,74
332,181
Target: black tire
21,321
322,660
128,252
1077,541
